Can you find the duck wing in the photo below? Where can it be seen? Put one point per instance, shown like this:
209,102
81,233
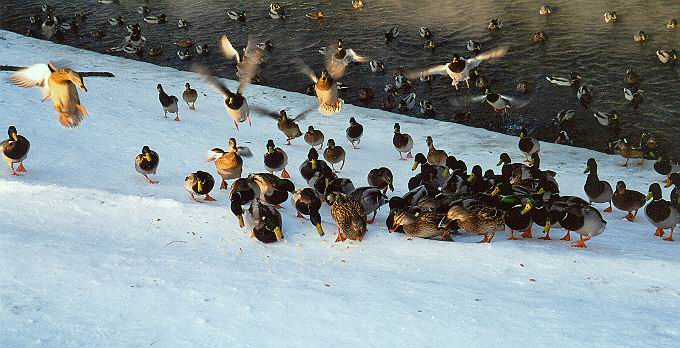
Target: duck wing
228,49
305,69
212,80
490,54
66,101
435,70
353,56
35,75
248,69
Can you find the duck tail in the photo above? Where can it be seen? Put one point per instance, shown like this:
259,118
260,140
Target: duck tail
330,109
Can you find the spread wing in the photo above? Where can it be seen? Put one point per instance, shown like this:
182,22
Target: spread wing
490,54
336,68
264,111
34,76
211,80
355,57
228,49
304,114
247,69
435,70
305,69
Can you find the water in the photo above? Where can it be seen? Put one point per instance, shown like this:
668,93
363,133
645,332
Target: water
578,40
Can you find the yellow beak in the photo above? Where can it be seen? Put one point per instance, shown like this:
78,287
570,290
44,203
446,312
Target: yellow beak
279,234
313,164
547,227
649,196
499,163
415,165
148,157
446,172
200,186
471,177
526,209
319,229
540,191
667,182
495,192
240,221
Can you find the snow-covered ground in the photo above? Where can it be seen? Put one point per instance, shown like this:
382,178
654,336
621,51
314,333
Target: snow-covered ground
91,255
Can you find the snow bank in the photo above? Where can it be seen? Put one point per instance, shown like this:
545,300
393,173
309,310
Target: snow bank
91,255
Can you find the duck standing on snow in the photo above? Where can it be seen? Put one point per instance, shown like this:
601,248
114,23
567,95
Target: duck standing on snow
334,154
146,163
169,102
190,95
58,84
476,220
381,177
350,217
627,200
266,222
199,183
314,137
435,157
402,142
459,68
598,191
307,202
419,224
371,199
627,151
528,145
229,164
15,150
288,126
275,159
354,132
587,223
661,213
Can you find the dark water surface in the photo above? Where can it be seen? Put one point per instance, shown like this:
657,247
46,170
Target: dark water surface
578,40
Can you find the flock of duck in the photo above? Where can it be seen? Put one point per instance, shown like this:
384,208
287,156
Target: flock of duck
443,198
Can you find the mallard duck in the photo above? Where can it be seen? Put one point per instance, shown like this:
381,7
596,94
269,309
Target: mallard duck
49,27
366,95
182,23
275,159
391,34
524,86
435,157
155,19
133,28
357,4
202,49
633,95
494,25
607,119
631,78
381,177
587,222
611,17
317,15
241,193
429,45
307,202
143,10
528,145
497,101
229,164
545,10
640,37
459,68
371,198
345,56
326,90
314,137
564,116
539,36
473,46
116,21
584,96
237,15
288,126
672,24
419,224
46,8
190,95
199,183
146,163
509,168
338,185
58,84
629,201
402,142
155,51
402,83
425,32
266,222
350,217
334,154
270,188
276,11
184,54
426,108
666,56
313,165
674,180
598,191
518,218
377,67
665,167
354,132
481,220
661,213
169,102
15,150
574,80
627,151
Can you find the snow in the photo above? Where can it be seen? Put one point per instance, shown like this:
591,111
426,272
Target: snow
91,255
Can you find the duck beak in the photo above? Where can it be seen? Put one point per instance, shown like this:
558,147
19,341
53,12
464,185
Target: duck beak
587,170
15,138
667,182
446,172
547,227
499,163
415,165
200,186
147,156
319,229
279,234
526,209
541,191
83,88
313,164
471,177
495,192
240,221
649,196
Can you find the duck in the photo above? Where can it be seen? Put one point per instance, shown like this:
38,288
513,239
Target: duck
182,23
275,159
49,26
345,56
633,95
598,191
528,145
229,164
539,36
509,168
116,21
59,85
666,56
169,102
235,102
494,25
407,103
288,126
674,180
665,167
661,213
307,202
584,96
69,26
497,101
611,17
640,37
132,28
574,80
473,46
377,67
316,15
155,19
459,68
628,151
35,19
276,11
366,95
566,115
334,154
357,4
98,34
607,119
314,137
564,138
382,178
313,165
146,163
326,90
371,199
419,224
190,95
524,86
588,223
631,78
270,188
435,157
402,142
142,10
429,45
15,150
184,43
199,183
545,10
202,49
184,54
354,132
237,15
426,108
350,217
391,34
518,218
46,8
401,83
481,220
627,200
266,222
425,32
672,24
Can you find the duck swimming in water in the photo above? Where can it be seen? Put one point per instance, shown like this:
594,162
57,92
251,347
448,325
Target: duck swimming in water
666,56
276,11
672,24
611,17
459,68
494,25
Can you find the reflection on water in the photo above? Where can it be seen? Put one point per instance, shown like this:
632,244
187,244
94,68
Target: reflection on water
578,40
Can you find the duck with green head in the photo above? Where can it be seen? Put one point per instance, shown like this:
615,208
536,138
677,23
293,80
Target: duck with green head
15,150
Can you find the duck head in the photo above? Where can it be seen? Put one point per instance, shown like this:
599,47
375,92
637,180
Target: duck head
591,166
147,153
418,160
397,128
270,146
504,159
12,132
283,115
673,179
325,76
428,141
654,192
232,144
159,87
523,133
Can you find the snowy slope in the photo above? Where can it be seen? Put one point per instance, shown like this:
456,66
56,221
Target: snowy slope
91,255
